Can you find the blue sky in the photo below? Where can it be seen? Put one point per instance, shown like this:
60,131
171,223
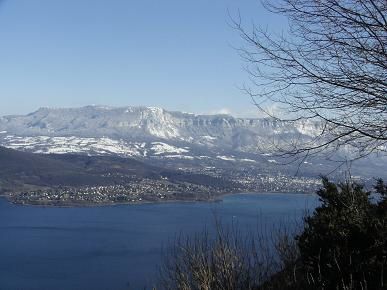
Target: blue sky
174,54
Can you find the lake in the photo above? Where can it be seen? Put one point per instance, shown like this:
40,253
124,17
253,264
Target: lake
117,247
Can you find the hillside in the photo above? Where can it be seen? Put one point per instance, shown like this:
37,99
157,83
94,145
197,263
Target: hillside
23,171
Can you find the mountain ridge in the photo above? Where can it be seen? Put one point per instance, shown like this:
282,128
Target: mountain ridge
177,139
154,124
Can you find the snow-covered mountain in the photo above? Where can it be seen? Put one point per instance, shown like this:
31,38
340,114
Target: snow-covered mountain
144,131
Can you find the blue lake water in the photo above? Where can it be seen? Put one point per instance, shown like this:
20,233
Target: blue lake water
117,247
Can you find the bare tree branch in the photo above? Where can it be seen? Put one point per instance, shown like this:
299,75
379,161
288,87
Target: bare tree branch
329,68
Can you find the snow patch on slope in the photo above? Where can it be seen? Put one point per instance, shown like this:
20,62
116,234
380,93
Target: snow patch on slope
62,145
248,160
163,148
227,158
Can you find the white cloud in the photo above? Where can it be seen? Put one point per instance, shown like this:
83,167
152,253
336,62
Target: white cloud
221,111
251,111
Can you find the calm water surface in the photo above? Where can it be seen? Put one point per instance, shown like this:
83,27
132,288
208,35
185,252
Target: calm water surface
116,247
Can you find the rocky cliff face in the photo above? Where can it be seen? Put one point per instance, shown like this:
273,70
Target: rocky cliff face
146,124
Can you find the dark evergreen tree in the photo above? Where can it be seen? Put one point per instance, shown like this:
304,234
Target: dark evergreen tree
343,245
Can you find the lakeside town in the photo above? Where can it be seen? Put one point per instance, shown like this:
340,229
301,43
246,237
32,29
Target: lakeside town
150,190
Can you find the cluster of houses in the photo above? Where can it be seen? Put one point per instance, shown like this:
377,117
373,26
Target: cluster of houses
141,191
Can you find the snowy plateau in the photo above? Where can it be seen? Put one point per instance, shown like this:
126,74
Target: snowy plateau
181,141
145,132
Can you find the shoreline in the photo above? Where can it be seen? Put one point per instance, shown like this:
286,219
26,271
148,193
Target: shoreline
218,198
